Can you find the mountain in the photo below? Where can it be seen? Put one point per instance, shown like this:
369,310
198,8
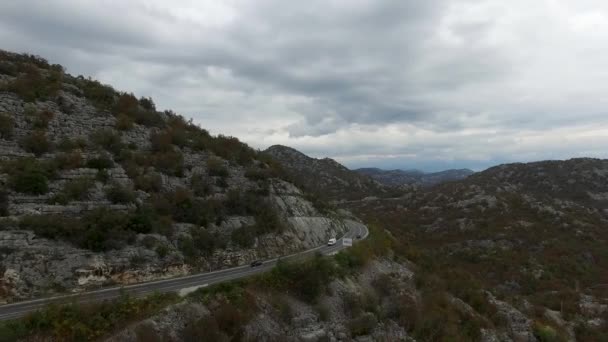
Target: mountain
414,177
101,188
98,188
326,177
533,233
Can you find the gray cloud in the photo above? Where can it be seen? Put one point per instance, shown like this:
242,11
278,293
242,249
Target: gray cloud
399,83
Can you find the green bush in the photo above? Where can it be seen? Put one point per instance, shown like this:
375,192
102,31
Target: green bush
200,185
546,333
306,280
32,85
74,190
36,143
100,162
84,322
4,203
244,236
7,123
216,167
29,176
69,160
101,95
149,182
67,144
109,139
170,162
119,194
42,119
124,122
362,325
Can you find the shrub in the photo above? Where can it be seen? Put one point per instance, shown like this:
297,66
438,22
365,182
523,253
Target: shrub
36,143
545,333
200,185
307,280
149,182
124,122
102,176
161,141
257,174
119,194
215,167
51,226
101,95
74,190
68,161
84,322
100,162
170,162
67,144
362,325
126,104
147,103
3,203
162,250
29,176
43,118
7,123
109,139
32,85
243,237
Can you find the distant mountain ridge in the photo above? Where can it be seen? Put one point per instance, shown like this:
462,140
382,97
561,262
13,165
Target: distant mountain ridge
326,177
414,177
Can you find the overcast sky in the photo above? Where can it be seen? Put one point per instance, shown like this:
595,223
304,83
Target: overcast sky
430,84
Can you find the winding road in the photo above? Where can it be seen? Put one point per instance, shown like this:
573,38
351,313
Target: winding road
19,309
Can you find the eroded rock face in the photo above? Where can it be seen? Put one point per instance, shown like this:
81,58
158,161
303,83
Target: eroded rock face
34,266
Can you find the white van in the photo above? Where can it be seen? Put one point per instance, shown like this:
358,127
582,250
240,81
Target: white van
331,242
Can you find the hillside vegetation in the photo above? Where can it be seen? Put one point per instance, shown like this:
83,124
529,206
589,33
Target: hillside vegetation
533,234
101,187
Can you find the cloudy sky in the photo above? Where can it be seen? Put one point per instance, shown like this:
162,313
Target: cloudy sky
428,84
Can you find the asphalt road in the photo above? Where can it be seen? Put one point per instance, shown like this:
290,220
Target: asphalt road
19,309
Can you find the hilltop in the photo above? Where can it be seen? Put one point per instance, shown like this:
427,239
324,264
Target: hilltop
326,177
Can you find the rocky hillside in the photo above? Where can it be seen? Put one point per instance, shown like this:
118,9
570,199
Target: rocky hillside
414,177
326,177
533,234
99,187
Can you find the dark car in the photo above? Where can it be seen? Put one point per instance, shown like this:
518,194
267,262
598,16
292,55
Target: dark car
256,263
358,236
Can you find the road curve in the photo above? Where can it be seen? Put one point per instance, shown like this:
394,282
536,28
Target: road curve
19,309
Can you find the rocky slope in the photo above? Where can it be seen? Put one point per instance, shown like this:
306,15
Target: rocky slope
414,177
326,177
532,234
99,187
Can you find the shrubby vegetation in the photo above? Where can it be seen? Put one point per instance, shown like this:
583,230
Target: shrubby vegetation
7,124
67,144
109,139
73,190
31,84
84,322
29,176
37,143
100,162
69,160
119,194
